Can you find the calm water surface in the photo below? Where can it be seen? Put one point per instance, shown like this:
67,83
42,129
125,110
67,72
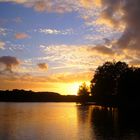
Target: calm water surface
66,121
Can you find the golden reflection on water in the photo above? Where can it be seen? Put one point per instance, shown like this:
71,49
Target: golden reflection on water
84,114
38,121
63,121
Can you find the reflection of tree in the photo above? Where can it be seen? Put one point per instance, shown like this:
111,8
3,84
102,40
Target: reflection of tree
111,123
104,121
129,120
85,131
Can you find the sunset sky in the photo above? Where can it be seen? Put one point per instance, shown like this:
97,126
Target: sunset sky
55,45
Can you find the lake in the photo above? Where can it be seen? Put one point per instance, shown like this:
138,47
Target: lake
66,121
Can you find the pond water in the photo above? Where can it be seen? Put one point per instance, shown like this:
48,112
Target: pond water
66,121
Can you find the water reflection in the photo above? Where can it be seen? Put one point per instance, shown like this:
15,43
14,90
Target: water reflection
38,121
129,123
103,123
85,127
62,121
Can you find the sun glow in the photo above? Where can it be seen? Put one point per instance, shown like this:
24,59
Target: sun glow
71,88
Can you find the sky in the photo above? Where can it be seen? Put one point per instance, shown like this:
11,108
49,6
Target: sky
55,45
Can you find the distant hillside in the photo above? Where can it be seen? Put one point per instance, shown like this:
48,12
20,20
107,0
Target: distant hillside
30,96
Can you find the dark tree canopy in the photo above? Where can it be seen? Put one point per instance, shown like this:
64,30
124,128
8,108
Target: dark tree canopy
129,84
114,83
105,80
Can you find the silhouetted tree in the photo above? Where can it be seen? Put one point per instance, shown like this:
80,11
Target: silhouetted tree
83,90
105,80
129,85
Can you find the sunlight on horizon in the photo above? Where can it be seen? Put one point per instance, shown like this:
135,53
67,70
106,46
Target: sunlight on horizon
71,88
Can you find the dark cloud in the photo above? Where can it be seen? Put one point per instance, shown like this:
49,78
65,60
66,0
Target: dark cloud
107,41
9,62
129,15
43,66
103,50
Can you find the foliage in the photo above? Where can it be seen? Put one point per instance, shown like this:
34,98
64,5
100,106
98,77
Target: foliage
128,84
83,90
105,80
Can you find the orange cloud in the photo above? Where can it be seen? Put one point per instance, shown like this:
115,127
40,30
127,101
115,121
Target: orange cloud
91,3
2,45
21,35
40,6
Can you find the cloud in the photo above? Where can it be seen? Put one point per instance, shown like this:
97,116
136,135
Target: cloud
45,5
55,31
111,13
9,62
21,35
71,77
17,1
52,78
126,16
2,45
3,31
127,13
83,57
114,18
90,3
40,6
51,5
103,50
62,83
42,66
76,57
111,18
50,31
135,62
56,6
122,16
90,10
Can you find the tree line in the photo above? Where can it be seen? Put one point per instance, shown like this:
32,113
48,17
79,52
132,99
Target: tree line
113,82
17,95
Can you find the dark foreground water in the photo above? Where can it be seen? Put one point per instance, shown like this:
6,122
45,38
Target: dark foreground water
66,121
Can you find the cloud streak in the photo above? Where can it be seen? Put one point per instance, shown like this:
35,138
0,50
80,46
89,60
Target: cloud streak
21,35
48,31
45,5
62,83
3,31
77,57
